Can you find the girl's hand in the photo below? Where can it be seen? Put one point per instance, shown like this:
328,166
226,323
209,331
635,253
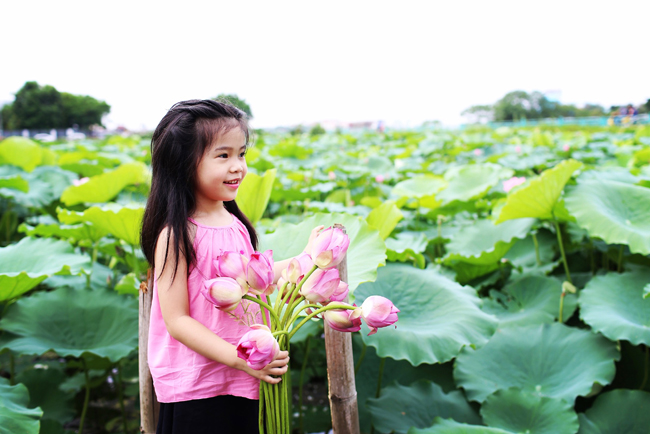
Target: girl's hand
312,237
271,373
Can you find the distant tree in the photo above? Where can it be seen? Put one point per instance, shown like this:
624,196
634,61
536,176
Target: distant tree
317,130
44,107
237,102
479,113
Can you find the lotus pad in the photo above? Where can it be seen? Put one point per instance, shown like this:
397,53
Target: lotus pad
448,426
613,305
539,197
122,222
472,181
437,316
72,323
254,194
401,407
618,411
15,417
523,412
540,359
30,261
617,212
367,250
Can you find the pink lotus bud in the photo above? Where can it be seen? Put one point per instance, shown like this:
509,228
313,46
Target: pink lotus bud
298,267
478,152
517,149
380,178
232,264
566,148
258,347
329,248
224,292
342,320
319,287
331,175
341,292
378,311
260,273
513,182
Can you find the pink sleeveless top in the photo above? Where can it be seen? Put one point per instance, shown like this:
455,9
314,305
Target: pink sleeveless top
179,373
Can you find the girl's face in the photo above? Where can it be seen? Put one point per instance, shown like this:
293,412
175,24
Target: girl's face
222,168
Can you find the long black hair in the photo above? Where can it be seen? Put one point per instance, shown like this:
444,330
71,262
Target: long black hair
178,143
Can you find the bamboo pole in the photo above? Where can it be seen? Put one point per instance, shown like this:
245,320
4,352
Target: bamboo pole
149,406
340,373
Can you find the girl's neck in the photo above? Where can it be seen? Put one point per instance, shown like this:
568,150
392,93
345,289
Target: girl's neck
213,215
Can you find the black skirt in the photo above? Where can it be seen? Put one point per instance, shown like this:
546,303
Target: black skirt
225,414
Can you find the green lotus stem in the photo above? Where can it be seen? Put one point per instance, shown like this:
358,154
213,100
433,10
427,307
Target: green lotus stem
263,304
592,258
561,305
269,399
319,311
12,369
361,357
260,412
86,398
276,400
606,260
93,259
280,332
278,298
619,267
539,261
297,314
266,323
292,305
120,395
136,265
379,378
645,371
559,240
302,382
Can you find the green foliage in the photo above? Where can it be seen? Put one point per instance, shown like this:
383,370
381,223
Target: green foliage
238,102
15,415
44,107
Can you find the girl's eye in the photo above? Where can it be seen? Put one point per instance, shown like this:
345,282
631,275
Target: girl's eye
242,155
222,156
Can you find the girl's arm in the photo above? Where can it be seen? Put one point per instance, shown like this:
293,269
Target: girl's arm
174,304
281,265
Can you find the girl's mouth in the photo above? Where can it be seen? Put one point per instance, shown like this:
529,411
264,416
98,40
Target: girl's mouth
232,184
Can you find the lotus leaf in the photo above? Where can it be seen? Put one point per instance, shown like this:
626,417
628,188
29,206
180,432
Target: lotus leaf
254,194
407,246
419,186
485,243
540,359
367,250
522,253
15,182
73,323
45,186
438,316
79,232
122,222
104,187
471,181
530,299
522,412
448,426
21,152
401,407
538,197
617,411
395,371
613,305
128,284
15,417
44,392
617,212
30,261
619,174
384,218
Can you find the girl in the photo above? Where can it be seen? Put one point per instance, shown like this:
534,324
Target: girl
198,162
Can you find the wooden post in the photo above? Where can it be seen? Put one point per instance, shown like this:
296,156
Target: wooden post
340,372
149,406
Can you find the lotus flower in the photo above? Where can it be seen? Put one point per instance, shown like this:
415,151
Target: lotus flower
232,264
343,320
260,273
513,182
341,293
319,287
329,248
331,175
298,267
258,347
378,311
224,292
379,179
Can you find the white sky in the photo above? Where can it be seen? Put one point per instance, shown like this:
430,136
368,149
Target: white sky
305,61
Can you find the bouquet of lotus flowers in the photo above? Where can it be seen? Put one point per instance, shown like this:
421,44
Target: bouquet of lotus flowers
310,287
